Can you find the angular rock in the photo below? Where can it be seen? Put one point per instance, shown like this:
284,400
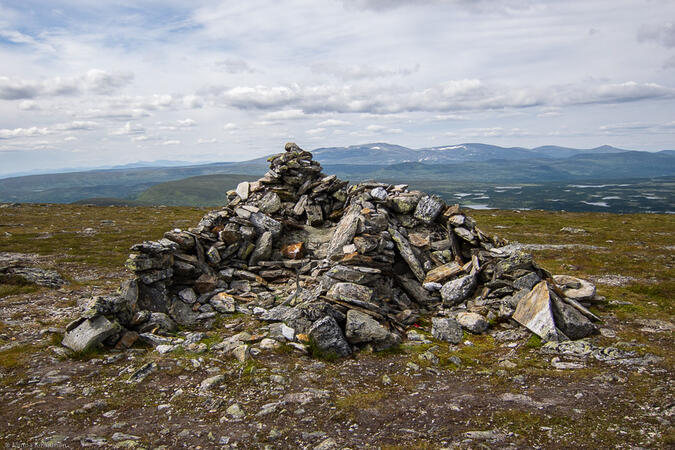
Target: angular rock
442,273
223,303
188,296
405,203
206,283
90,333
158,322
344,232
456,291
263,248
351,293
473,322
527,281
446,329
354,274
407,254
183,314
575,288
270,203
326,335
428,208
570,321
263,222
243,190
379,193
361,328
534,312
414,289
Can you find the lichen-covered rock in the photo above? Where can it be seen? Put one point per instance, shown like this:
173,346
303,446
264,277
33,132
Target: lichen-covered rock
575,288
473,322
570,321
428,208
351,292
446,329
361,329
456,291
90,333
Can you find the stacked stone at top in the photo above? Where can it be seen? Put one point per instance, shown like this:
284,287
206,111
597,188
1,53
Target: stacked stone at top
344,265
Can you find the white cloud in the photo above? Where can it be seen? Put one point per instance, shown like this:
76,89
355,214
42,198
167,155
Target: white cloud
29,105
230,126
286,114
69,138
234,65
333,123
93,81
363,71
206,141
315,131
171,142
23,132
129,129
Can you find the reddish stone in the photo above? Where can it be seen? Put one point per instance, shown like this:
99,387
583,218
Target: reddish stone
206,283
127,340
294,251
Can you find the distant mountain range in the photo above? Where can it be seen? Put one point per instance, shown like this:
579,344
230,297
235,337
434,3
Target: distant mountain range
440,166
387,154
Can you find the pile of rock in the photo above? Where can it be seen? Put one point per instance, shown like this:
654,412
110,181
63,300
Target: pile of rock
339,266
18,268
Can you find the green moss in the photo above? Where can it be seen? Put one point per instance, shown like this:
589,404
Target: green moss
17,355
361,400
534,342
17,289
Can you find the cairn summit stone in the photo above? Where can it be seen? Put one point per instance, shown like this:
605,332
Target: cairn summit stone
315,260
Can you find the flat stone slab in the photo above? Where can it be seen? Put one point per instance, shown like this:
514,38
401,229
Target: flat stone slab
535,313
90,333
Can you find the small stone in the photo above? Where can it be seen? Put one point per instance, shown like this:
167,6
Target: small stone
270,203
211,382
235,411
294,251
223,303
242,353
188,296
243,190
361,328
117,437
379,193
386,380
269,344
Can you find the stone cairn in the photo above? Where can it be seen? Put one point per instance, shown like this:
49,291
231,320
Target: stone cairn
336,265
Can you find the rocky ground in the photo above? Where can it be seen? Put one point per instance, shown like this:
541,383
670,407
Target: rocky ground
498,389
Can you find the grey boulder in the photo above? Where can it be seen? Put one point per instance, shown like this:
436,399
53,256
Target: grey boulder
327,337
361,328
446,329
456,291
90,333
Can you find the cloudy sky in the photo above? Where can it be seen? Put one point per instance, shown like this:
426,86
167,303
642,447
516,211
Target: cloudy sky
88,83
